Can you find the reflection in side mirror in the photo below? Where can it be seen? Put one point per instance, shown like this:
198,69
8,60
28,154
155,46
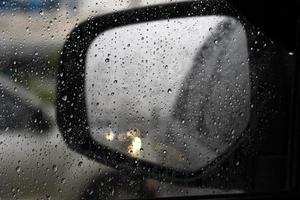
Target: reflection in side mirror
173,92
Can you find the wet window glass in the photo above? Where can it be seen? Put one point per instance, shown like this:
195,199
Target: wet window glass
177,93
173,90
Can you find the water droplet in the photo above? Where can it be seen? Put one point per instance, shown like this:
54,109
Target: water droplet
64,98
48,197
18,169
107,60
63,181
54,168
169,90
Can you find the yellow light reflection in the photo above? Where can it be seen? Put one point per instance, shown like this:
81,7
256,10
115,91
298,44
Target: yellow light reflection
132,137
110,136
135,146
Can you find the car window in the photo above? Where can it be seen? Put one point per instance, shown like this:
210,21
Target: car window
162,92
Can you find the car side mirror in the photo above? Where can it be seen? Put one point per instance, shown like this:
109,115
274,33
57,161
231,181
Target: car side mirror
168,91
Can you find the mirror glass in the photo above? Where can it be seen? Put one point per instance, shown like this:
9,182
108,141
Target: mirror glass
173,92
